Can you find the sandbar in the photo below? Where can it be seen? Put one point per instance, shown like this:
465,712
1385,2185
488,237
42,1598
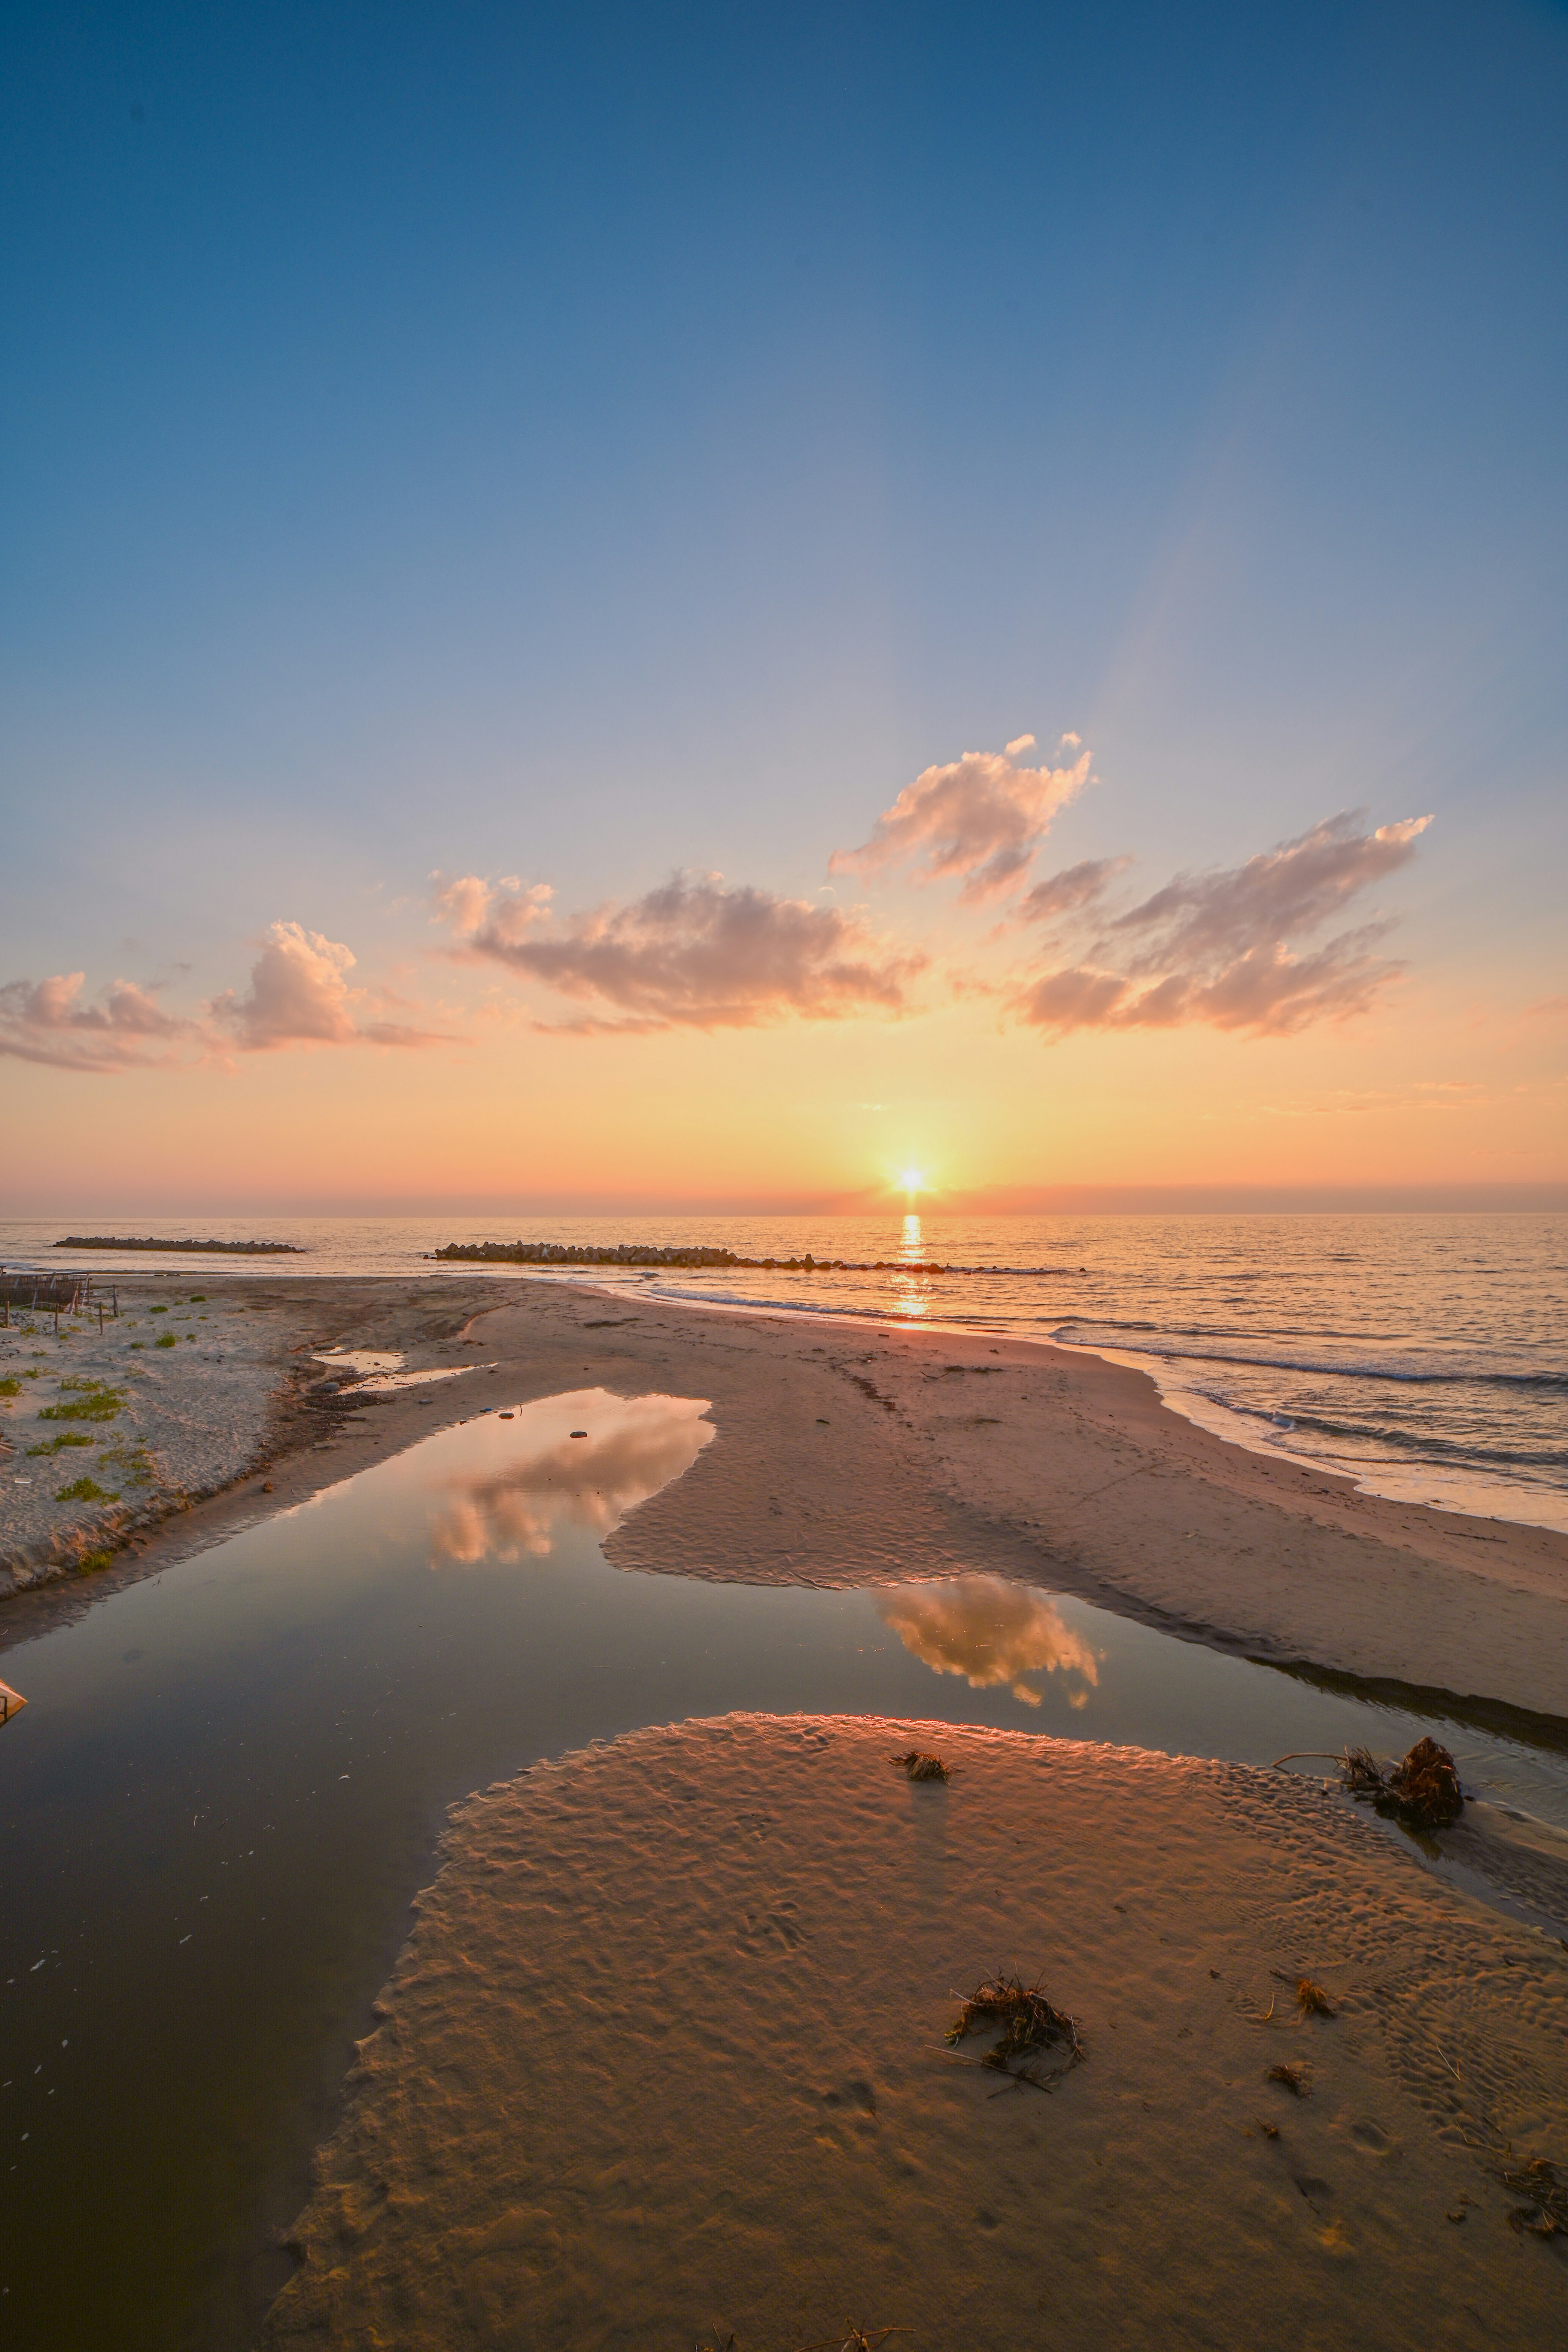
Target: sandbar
663,2064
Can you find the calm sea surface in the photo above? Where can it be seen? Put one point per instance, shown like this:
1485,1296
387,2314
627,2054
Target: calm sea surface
1425,1355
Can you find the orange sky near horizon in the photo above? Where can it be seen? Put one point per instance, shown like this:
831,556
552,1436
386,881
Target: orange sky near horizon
1415,1094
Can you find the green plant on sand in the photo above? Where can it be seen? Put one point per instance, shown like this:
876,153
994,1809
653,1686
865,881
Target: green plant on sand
169,1339
94,1403
87,1490
131,1463
58,1444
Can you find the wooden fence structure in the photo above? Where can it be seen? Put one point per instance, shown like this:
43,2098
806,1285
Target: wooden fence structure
57,1295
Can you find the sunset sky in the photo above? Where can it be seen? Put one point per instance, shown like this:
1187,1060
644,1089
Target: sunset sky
675,606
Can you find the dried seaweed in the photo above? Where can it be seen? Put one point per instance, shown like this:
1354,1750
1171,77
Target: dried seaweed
1545,2191
859,2339
917,1766
1293,2077
1028,2021
1423,1791
1312,2000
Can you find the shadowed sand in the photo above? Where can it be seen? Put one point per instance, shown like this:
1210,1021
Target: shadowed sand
662,2060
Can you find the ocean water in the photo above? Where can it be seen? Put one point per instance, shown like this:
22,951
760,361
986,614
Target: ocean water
1426,1356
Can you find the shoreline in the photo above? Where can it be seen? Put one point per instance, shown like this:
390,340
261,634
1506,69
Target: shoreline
943,1452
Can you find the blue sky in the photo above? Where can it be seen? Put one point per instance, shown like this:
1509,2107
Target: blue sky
580,442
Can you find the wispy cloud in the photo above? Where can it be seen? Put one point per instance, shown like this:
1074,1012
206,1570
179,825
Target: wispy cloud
300,994
122,1029
976,821
1216,948
694,953
1072,890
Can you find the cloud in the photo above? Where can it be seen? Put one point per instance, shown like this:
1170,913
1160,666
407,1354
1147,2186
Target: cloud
978,821
1297,887
990,1631
1071,890
299,996
694,953
503,910
1214,947
49,1024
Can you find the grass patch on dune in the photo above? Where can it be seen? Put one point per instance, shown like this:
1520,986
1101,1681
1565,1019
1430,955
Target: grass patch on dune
169,1339
10,1388
58,1444
91,1401
86,1490
133,1464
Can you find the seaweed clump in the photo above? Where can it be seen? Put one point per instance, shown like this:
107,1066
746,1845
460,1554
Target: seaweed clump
917,1766
1544,2191
1295,2079
1423,1791
1028,2021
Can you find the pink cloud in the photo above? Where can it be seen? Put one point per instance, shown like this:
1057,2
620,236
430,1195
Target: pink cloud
299,996
1073,890
693,953
977,821
49,1024
1213,949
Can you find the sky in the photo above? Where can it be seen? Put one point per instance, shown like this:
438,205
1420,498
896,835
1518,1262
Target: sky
701,606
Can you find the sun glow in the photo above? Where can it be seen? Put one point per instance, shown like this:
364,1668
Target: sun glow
914,1180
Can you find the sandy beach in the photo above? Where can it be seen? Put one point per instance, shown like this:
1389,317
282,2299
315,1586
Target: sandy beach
663,2063
843,1455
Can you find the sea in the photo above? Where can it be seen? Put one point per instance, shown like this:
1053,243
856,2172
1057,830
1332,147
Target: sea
1423,1355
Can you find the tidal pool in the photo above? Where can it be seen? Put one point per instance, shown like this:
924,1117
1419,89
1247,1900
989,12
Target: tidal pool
230,1779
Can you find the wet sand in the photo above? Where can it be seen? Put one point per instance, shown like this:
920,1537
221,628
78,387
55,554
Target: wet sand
662,2063
850,1455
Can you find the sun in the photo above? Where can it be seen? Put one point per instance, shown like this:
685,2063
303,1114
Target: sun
914,1180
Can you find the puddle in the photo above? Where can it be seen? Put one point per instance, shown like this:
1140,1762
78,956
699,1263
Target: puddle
358,1360
372,1370
230,1779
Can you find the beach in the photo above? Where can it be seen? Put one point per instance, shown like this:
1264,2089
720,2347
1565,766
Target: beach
844,1455
662,2060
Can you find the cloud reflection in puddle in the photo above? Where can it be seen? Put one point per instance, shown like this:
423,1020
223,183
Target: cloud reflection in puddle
634,1446
991,1631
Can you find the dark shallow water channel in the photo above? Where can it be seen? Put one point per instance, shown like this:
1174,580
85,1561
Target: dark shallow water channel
229,1782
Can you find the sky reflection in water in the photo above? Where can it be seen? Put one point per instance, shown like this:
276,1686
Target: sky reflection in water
633,1446
993,1633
